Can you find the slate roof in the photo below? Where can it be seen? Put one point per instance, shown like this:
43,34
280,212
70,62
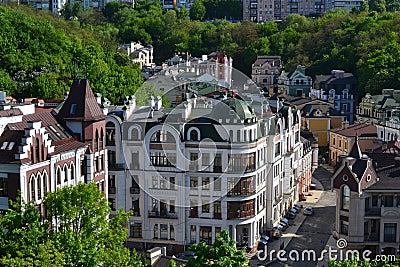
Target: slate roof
86,106
356,150
359,167
272,60
61,138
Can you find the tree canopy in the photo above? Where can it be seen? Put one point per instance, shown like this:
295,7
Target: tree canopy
222,253
75,231
39,52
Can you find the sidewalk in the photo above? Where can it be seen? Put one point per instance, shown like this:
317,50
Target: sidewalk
294,225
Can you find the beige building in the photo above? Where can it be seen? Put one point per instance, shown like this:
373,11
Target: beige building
368,203
268,10
265,70
343,138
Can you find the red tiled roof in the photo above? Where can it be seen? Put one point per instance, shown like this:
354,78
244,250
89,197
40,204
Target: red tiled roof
359,129
10,112
67,147
86,107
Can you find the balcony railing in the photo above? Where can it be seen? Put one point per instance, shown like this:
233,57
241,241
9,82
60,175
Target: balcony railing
135,213
134,190
194,214
217,216
375,212
162,215
372,237
243,192
240,214
112,190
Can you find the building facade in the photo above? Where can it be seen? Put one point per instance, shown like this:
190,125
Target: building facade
203,167
338,88
342,140
276,10
43,151
296,82
379,108
265,71
368,206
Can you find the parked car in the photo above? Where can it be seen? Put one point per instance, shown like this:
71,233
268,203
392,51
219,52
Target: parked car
290,215
285,221
284,226
262,243
299,205
308,210
276,233
186,255
296,208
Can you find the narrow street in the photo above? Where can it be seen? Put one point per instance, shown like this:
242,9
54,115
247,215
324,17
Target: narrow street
314,230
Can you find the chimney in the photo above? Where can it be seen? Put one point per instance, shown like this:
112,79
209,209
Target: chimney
98,98
187,109
158,103
151,101
133,102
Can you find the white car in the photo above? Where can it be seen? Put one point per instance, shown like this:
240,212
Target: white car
308,210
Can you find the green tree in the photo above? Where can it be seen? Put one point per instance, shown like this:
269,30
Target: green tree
197,10
75,232
377,5
222,253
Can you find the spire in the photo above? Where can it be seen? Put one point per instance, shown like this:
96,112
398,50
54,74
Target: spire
356,150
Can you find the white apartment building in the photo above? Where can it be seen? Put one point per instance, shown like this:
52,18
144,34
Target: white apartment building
205,166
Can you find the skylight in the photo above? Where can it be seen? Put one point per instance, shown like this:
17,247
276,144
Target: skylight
3,147
10,145
73,109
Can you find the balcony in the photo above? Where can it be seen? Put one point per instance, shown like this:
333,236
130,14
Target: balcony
240,214
241,193
217,216
372,212
134,190
162,215
115,166
194,213
135,213
371,237
112,190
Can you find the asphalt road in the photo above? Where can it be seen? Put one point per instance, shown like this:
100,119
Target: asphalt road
315,230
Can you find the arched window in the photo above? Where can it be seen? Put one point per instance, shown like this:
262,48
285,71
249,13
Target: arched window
66,175
37,150
32,187
72,167
110,134
39,186
193,135
43,156
345,197
58,176
230,136
96,141
101,139
238,135
135,134
45,181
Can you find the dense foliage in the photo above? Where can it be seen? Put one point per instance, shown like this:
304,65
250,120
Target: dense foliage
40,55
38,50
74,232
222,253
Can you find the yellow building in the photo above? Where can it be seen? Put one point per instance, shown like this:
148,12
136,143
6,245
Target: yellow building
320,118
343,138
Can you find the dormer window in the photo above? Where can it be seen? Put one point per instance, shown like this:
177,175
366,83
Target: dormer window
73,109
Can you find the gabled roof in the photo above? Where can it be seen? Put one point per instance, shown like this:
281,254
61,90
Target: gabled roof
357,129
81,103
